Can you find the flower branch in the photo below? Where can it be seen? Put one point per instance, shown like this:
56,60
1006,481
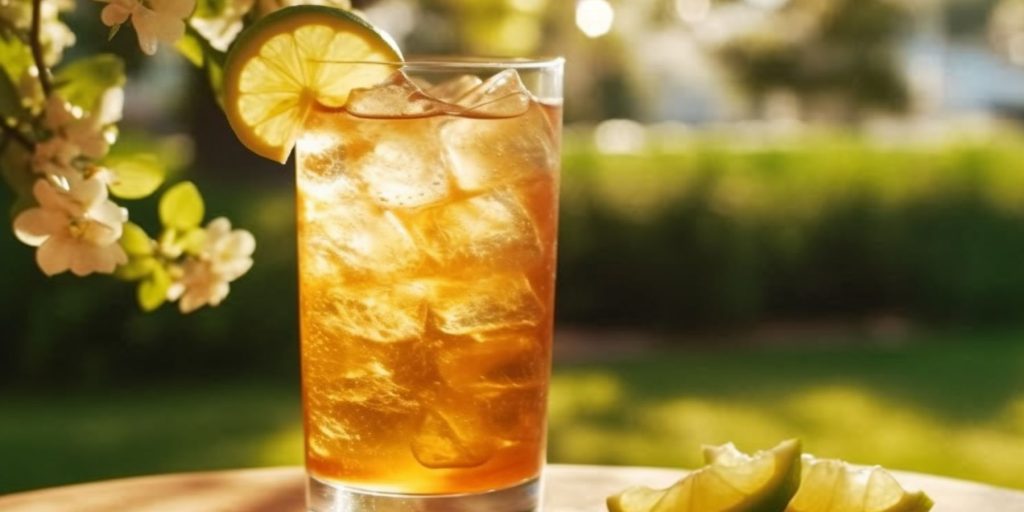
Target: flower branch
36,44
14,134
59,155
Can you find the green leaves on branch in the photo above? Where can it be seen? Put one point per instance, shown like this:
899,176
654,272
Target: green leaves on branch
153,262
84,81
152,291
135,241
181,207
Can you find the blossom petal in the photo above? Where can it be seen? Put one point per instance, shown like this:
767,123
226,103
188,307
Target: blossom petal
35,225
217,228
109,213
240,243
145,23
179,9
117,12
87,258
54,256
191,301
48,196
218,292
169,29
89,193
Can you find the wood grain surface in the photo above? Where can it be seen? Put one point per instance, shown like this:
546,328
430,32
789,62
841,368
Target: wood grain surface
567,489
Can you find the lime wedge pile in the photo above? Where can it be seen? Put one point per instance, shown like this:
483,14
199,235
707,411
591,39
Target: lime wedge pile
835,486
731,481
770,481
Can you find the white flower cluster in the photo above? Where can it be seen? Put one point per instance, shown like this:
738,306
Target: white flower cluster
226,256
76,227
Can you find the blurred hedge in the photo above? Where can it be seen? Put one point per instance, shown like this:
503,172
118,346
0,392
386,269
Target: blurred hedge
725,234
714,234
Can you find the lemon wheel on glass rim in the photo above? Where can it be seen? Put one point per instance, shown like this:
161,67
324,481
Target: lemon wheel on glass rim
292,60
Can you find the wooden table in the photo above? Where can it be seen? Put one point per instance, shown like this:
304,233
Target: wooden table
568,489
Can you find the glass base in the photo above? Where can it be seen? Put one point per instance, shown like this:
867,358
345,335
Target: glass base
327,497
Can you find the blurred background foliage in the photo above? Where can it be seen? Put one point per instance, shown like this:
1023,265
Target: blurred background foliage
779,218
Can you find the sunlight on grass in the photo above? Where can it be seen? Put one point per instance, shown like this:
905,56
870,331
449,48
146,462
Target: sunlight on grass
281,448
593,425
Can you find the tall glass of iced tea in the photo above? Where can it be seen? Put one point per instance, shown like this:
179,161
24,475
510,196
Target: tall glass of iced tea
427,210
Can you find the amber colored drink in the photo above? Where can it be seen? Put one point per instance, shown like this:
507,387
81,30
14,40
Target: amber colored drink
427,261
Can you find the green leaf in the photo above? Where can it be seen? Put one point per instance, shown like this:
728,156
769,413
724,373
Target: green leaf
174,152
215,72
152,291
15,57
181,207
135,241
193,241
191,47
84,81
137,268
135,176
10,99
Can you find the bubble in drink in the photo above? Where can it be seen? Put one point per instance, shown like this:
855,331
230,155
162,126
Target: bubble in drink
480,230
484,304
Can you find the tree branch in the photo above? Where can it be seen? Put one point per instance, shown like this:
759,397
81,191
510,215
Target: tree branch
14,134
37,47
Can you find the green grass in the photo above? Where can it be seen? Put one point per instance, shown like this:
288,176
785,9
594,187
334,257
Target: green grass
951,405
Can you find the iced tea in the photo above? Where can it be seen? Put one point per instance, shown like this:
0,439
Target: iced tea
427,227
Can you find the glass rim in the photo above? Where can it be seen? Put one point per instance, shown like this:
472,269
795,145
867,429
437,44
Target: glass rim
441,62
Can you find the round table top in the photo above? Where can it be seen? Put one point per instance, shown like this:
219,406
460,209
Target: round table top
567,489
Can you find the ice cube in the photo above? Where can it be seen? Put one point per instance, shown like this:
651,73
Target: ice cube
493,363
481,305
397,96
486,153
383,314
453,436
353,239
487,229
401,163
516,414
453,90
502,95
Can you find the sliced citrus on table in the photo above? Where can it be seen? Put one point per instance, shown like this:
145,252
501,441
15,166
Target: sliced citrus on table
835,486
293,59
731,482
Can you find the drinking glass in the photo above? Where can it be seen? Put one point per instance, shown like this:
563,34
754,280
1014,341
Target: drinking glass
427,227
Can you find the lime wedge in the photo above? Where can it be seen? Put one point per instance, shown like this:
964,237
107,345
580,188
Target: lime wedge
835,486
292,60
731,482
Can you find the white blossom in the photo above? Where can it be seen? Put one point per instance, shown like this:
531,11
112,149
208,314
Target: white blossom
204,280
73,137
154,20
220,30
75,227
